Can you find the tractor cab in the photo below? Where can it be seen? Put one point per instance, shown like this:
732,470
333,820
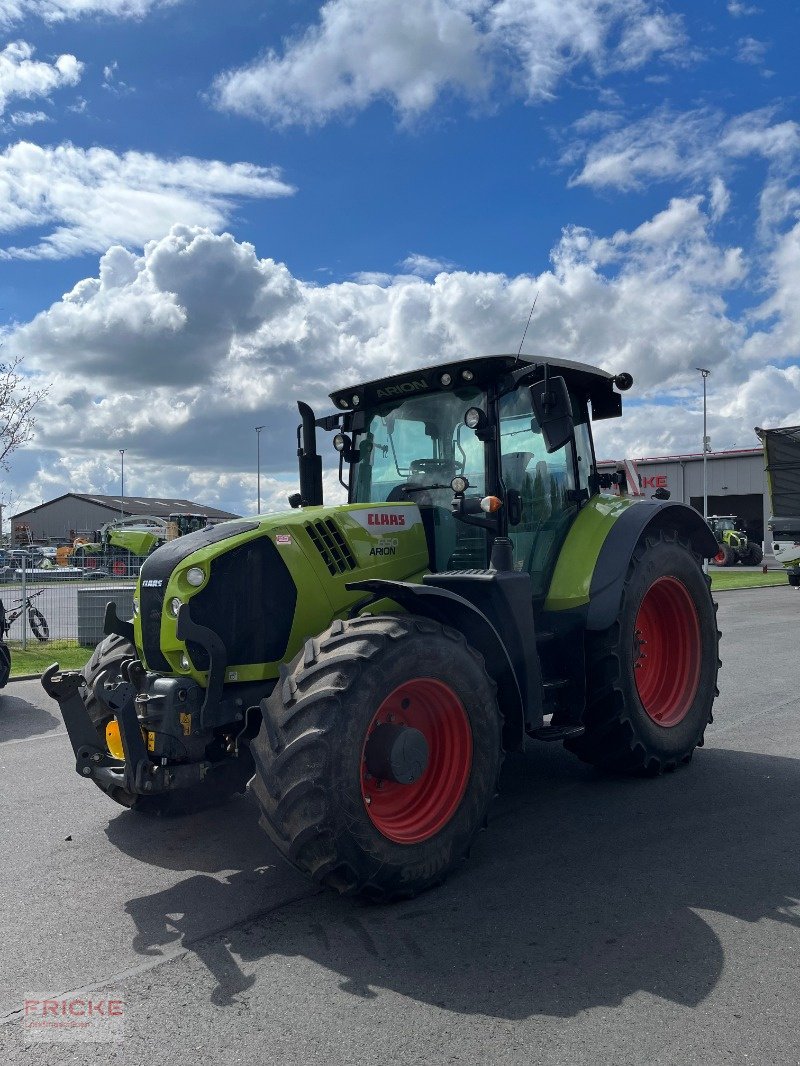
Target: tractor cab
721,523
498,447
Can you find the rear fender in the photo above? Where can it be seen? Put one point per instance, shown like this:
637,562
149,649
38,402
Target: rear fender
452,610
611,568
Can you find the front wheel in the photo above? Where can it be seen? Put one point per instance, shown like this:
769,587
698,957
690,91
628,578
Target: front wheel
38,624
378,755
725,556
653,673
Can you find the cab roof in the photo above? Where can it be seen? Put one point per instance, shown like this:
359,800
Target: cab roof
596,384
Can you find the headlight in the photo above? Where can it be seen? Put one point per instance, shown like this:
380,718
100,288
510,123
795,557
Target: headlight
195,576
175,605
135,607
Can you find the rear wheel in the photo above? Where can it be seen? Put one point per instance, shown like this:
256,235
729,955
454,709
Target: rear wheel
378,755
754,555
219,785
652,675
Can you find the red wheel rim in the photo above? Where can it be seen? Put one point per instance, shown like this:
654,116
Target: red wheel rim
719,558
409,814
667,651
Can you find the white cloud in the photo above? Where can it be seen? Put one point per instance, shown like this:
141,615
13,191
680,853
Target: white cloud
28,118
93,198
12,11
751,50
739,9
719,198
410,54
666,145
23,76
177,353
425,266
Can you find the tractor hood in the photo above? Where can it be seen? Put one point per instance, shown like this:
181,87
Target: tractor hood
264,585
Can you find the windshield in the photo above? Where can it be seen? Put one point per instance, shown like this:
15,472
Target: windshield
412,449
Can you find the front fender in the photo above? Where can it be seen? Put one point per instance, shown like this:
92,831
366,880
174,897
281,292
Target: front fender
453,610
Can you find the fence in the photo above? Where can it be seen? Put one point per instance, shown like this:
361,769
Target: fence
64,607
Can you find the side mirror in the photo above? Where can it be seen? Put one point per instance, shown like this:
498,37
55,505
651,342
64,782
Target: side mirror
553,412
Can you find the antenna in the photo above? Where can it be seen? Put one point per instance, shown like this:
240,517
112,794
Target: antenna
525,331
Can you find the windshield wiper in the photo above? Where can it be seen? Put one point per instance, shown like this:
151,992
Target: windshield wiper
421,488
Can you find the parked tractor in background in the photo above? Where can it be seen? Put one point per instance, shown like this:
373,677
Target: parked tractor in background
369,665
734,546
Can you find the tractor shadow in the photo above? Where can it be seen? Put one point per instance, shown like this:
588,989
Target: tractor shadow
20,719
584,891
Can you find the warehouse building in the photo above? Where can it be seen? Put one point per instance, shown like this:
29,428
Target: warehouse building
737,485
77,513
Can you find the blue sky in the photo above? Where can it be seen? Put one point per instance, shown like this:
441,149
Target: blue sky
208,211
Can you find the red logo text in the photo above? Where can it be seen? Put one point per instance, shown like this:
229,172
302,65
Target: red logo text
382,518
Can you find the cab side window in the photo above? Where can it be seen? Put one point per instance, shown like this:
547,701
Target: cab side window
542,483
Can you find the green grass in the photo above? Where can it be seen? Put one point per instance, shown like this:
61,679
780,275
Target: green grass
68,654
745,579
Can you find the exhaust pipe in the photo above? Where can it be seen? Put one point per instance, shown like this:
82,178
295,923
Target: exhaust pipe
309,461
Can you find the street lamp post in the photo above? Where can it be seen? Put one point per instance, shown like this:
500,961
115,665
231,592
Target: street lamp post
705,374
258,463
122,483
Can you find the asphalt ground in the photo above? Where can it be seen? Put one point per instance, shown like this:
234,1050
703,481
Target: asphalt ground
599,920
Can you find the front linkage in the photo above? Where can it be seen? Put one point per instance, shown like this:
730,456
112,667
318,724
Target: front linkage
136,774
166,733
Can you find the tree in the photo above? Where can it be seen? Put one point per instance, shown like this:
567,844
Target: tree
17,402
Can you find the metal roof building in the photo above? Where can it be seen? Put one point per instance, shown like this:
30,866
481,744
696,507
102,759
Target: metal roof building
63,518
737,484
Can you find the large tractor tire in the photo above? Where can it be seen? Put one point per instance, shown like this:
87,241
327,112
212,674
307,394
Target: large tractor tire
726,556
754,555
378,755
652,675
220,784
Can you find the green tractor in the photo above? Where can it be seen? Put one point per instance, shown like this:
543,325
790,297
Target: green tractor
367,666
732,544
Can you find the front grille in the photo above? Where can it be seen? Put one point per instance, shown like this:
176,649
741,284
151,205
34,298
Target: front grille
155,574
329,541
249,602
